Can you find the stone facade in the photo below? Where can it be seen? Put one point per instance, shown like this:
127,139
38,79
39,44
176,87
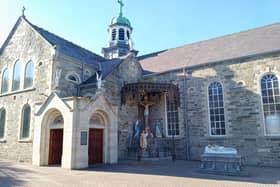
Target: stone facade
243,107
24,44
66,86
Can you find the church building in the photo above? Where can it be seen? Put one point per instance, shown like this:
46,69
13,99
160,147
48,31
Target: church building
61,104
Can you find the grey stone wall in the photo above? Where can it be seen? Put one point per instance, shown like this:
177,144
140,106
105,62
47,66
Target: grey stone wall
24,45
243,108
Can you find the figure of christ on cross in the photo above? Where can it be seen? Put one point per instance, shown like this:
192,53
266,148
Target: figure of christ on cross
146,104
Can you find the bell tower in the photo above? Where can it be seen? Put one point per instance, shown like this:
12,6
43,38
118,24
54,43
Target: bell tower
120,41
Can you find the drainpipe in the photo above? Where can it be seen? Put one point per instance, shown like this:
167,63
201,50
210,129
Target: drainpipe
187,138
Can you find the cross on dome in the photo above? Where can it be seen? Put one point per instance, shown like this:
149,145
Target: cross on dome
121,6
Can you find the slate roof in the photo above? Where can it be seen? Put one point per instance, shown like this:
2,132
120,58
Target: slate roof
68,48
107,67
256,41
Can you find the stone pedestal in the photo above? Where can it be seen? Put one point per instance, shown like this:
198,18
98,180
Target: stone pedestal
222,164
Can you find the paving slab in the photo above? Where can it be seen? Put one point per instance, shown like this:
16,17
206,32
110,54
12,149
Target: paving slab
132,174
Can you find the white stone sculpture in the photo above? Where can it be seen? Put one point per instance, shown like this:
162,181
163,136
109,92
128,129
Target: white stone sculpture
215,149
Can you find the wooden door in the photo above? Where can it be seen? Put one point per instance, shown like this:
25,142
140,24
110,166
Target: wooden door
55,147
95,146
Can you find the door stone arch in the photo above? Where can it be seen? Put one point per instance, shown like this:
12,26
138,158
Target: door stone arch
51,136
99,139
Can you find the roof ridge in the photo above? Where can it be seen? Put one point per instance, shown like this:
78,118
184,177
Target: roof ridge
210,39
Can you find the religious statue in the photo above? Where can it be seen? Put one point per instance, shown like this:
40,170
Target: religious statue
158,129
146,104
143,139
57,76
136,130
99,78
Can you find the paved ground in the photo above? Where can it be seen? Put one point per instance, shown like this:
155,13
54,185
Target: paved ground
132,174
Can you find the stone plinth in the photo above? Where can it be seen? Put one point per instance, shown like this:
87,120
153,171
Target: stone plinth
222,164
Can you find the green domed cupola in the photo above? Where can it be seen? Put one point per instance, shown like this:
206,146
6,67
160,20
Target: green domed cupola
120,20
120,41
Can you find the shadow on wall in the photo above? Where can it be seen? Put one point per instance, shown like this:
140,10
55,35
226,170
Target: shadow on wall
12,176
243,115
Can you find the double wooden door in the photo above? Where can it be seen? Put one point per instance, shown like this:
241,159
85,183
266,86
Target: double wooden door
95,146
55,146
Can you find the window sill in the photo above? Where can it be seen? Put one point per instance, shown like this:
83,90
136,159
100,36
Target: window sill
217,137
28,140
18,92
175,137
3,141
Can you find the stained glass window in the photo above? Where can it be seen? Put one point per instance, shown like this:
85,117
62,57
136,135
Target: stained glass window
16,76
5,81
28,76
2,122
25,126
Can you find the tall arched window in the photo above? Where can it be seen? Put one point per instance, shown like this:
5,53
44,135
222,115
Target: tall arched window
216,109
29,75
2,122
271,104
16,76
121,34
114,33
25,121
5,81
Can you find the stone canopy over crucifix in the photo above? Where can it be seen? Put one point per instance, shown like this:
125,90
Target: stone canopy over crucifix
121,6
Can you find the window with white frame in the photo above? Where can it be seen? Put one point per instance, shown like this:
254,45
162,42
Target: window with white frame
172,117
2,122
271,104
5,81
216,109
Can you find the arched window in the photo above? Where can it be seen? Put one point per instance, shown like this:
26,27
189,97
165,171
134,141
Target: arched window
29,74
2,122
25,121
216,109
271,104
5,81
114,33
121,34
73,78
16,76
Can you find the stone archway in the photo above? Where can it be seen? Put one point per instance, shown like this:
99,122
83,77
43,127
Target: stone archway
98,138
52,138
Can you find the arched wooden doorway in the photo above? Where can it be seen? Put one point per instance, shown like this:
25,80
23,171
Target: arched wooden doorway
97,139
52,138
56,141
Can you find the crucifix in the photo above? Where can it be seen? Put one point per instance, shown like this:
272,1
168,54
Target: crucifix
146,104
121,6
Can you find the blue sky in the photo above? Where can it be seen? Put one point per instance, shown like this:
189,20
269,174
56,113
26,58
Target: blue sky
158,24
